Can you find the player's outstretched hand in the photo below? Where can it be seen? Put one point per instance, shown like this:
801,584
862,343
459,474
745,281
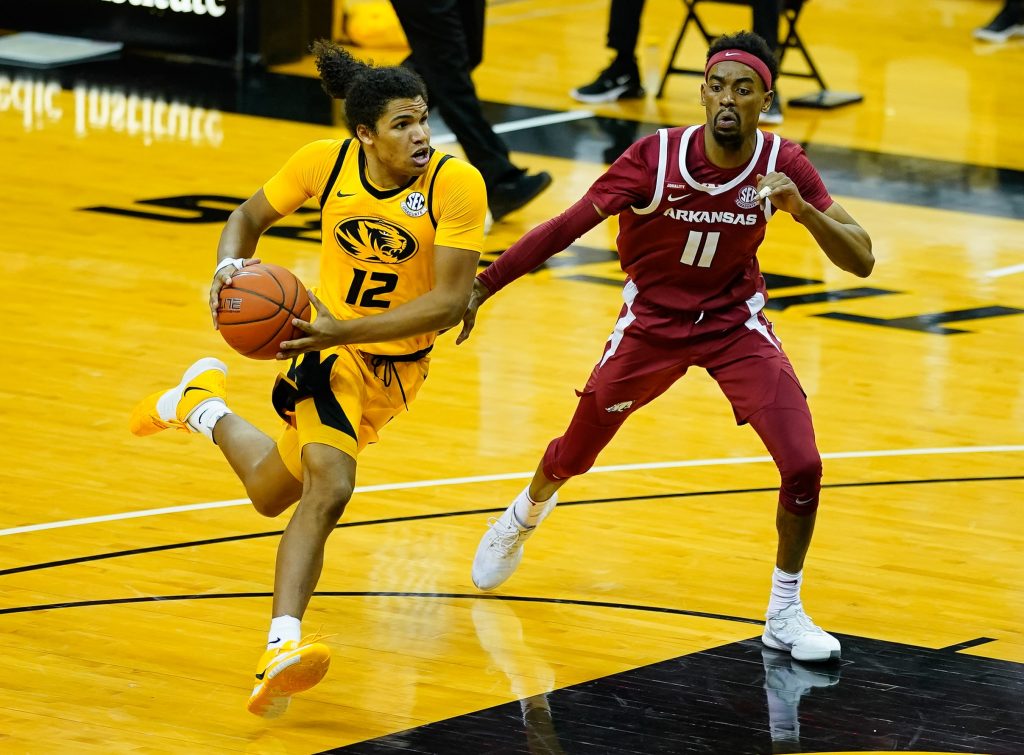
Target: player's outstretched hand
479,296
782,192
321,333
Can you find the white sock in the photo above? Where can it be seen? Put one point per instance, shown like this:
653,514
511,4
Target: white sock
205,416
785,590
527,510
283,629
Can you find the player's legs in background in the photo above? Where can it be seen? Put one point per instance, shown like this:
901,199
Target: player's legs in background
765,23
621,79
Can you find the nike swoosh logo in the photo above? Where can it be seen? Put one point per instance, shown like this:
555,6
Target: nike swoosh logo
193,388
672,198
731,54
261,674
345,195
798,502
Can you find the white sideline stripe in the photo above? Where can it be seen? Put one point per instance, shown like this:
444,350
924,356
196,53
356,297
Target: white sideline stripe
521,476
525,123
1001,271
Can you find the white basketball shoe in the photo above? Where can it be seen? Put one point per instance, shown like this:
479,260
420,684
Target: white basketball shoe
501,547
792,630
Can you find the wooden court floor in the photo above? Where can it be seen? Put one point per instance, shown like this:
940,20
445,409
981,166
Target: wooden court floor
135,578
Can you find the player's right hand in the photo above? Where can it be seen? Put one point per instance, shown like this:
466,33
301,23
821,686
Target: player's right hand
479,295
221,278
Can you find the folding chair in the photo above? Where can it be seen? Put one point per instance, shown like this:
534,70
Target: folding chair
824,98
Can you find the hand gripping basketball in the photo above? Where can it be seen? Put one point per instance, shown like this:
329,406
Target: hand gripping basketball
321,333
256,311
222,277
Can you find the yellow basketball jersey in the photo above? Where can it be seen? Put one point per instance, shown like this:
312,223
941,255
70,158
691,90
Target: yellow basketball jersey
377,247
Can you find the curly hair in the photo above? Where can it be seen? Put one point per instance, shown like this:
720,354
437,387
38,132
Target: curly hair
748,42
365,88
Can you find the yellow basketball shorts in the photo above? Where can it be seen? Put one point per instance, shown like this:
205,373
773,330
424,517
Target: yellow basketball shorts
342,397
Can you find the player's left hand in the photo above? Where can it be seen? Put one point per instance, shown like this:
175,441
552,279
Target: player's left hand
782,192
321,333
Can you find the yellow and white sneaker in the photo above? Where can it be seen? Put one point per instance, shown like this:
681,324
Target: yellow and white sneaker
204,381
285,671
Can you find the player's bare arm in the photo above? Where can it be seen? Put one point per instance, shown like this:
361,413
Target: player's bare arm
842,239
441,307
238,240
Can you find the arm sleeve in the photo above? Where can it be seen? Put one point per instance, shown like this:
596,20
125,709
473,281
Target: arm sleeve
540,244
629,182
460,198
302,176
795,164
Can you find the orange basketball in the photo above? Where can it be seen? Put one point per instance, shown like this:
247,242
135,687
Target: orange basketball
257,309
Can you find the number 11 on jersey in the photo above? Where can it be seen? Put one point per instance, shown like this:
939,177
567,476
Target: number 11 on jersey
693,245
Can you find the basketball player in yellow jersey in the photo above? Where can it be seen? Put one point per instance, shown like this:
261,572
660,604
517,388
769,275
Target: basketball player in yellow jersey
402,235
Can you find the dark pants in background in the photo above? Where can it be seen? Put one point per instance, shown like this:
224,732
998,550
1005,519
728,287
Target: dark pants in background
624,24
447,42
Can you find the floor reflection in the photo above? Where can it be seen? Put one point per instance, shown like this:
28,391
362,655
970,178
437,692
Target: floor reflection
500,632
738,698
786,682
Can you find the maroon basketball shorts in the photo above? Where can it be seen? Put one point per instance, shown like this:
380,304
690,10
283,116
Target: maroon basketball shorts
749,366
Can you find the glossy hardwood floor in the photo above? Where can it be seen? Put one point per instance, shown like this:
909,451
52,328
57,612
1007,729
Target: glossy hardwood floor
136,578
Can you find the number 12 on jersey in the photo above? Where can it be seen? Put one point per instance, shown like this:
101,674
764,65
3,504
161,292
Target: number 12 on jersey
370,295
693,244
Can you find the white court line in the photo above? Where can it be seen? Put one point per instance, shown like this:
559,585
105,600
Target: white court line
1001,271
525,123
521,476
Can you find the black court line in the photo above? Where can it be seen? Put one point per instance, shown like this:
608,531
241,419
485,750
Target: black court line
968,644
473,512
379,594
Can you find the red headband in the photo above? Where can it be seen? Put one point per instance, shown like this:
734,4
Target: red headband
739,56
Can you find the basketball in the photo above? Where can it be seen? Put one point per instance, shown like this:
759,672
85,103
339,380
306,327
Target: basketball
256,311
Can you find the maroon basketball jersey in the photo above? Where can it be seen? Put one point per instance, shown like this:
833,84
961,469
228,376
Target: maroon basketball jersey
689,231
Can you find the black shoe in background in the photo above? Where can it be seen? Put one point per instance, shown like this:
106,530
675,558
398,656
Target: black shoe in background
619,81
1008,23
509,196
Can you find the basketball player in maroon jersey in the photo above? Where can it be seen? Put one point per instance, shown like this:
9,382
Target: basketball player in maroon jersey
693,204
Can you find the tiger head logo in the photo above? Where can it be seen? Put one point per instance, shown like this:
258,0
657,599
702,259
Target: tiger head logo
375,240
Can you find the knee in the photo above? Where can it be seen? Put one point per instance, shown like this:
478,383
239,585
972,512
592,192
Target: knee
803,473
270,504
801,485
272,494
328,499
561,463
